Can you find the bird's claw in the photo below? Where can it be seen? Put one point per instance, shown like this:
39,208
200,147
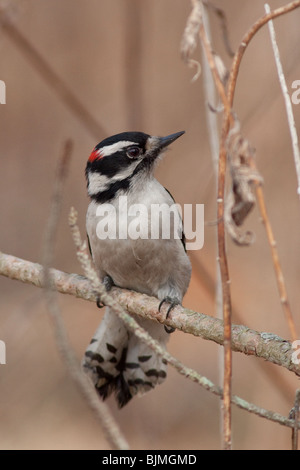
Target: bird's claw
173,302
99,303
108,284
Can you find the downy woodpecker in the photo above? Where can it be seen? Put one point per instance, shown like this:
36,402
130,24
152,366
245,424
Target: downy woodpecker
120,169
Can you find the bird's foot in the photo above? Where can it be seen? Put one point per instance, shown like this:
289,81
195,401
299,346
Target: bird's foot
108,284
173,302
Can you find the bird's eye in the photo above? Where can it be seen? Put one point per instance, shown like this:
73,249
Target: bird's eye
133,152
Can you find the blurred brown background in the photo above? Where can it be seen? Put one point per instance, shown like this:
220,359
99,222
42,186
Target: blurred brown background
121,59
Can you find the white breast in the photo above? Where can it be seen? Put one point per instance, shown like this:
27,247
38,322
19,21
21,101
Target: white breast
151,266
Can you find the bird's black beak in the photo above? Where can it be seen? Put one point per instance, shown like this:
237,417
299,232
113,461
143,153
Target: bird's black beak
165,141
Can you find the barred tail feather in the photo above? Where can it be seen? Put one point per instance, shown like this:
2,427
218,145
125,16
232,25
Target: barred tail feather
117,361
144,368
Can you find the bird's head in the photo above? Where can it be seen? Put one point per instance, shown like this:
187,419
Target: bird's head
116,161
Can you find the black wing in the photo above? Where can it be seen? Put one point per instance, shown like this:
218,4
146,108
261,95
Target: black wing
182,232
89,245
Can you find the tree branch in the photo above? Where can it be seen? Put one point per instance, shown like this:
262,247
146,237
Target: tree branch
267,346
287,100
294,414
246,40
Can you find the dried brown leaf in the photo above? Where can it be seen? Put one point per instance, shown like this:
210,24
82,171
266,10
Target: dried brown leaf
240,200
221,69
190,38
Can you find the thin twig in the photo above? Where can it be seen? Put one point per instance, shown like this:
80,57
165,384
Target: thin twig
295,416
109,425
227,100
223,22
259,191
222,255
211,99
194,25
207,283
213,67
213,132
246,40
287,101
275,258
265,345
109,301
143,335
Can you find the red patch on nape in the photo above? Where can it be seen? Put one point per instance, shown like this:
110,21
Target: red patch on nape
95,155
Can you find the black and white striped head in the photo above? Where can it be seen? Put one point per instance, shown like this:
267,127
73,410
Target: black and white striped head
118,160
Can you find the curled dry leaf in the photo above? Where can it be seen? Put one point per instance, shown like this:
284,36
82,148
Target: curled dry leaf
221,69
190,38
189,43
240,200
